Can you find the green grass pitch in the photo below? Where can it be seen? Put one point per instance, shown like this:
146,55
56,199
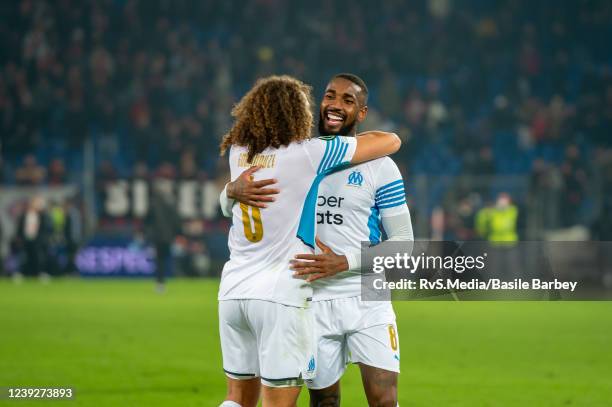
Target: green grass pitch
118,343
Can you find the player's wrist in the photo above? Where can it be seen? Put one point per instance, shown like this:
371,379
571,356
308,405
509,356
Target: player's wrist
343,263
230,190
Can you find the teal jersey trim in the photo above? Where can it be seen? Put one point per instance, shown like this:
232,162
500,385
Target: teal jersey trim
374,225
307,227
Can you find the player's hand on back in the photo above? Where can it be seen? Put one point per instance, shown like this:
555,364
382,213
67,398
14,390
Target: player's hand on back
249,192
316,266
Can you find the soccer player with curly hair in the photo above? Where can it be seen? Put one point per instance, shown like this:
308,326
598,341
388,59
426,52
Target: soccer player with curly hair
265,322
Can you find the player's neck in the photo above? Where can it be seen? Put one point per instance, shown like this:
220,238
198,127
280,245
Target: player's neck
353,133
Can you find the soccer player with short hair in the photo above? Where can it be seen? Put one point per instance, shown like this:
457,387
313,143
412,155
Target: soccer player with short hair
265,323
351,204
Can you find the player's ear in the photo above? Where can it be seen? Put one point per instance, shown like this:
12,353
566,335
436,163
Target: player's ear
363,112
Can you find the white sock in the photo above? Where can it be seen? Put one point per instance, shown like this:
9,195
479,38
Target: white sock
228,403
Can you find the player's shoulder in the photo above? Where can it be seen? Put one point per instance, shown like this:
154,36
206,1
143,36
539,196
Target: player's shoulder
314,142
381,163
330,146
236,147
235,150
374,167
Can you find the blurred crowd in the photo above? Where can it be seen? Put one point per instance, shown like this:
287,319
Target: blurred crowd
46,239
474,87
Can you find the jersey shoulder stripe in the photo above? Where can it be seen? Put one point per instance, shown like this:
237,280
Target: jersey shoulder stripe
335,151
397,190
331,147
389,186
328,147
340,154
390,195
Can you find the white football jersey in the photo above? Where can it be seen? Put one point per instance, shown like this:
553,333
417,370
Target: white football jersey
263,241
350,203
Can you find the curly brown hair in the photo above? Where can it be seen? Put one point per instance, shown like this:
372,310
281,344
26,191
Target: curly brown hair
274,113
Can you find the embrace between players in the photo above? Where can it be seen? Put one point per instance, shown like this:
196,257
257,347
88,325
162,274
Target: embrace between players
288,316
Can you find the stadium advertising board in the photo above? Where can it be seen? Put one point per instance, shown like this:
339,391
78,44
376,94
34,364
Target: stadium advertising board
125,198
110,256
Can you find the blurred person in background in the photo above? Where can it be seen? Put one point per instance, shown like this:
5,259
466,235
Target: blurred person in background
602,227
483,163
106,175
460,221
188,167
33,231
140,171
56,172
57,248
192,255
545,186
65,236
162,225
575,178
73,234
498,224
30,172
602,231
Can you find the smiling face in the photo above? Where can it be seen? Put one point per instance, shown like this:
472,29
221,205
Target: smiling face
342,107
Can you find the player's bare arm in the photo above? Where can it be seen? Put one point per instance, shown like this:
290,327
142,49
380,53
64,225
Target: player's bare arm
316,266
375,144
254,193
370,145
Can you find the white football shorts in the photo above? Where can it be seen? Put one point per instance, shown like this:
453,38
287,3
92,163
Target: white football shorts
352,330
265,339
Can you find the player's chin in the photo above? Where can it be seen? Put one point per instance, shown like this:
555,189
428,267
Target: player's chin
332,129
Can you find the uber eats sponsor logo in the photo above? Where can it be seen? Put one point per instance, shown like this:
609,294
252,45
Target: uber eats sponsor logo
325,215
